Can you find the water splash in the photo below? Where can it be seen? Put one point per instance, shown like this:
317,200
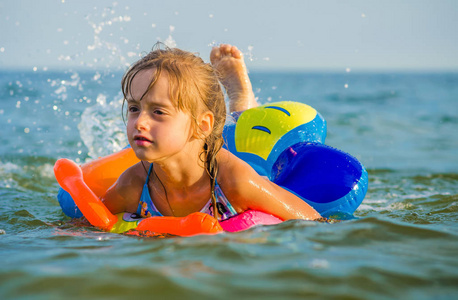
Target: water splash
170,42
62,86
102,128
109,18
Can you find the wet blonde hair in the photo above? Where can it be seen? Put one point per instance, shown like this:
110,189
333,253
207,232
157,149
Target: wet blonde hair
194,88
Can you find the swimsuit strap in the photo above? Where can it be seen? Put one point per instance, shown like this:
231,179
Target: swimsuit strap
216,186
146,207
149,172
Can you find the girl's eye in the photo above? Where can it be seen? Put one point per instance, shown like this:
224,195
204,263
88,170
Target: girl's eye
133,109
158,112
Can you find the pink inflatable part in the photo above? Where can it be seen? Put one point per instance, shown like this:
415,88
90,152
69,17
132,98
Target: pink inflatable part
249,219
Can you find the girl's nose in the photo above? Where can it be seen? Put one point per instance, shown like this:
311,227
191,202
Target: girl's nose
143,121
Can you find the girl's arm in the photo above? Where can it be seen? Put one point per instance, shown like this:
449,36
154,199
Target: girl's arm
247,190
124,194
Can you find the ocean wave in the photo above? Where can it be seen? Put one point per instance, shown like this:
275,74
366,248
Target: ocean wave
379,97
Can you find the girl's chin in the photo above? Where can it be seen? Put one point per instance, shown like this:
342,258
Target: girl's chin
141,153
147,156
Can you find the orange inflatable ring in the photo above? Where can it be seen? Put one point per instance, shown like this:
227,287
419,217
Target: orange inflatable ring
70,177
102,173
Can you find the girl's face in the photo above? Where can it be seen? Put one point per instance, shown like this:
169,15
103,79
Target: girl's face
155,128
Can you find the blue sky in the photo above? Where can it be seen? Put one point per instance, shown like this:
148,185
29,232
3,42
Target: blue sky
274,35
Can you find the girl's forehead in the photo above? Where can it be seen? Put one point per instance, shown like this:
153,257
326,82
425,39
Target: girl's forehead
141,82
143,78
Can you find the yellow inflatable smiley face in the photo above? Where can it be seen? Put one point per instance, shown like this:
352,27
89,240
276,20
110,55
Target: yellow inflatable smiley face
259,129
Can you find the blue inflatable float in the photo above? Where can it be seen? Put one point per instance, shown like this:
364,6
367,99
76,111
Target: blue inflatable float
285,142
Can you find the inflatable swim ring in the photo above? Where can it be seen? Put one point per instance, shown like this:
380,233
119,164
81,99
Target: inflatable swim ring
283,141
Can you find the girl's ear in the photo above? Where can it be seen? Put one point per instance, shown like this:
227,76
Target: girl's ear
205,122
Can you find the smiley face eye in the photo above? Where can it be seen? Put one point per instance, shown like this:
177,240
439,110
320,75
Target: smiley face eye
280,109
262,128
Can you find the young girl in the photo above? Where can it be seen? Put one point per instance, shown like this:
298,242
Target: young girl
175,118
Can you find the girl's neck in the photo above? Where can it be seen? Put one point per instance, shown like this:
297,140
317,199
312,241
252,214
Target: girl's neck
180,175
184,190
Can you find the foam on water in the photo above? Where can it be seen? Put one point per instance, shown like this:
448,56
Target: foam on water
6,170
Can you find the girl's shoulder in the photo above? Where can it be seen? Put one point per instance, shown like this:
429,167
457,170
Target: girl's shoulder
131,181
228,163
134,175
234,174
125,193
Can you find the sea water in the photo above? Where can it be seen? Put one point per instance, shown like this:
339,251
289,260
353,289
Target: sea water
402,244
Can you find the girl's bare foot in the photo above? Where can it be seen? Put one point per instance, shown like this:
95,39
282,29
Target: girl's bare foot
228,62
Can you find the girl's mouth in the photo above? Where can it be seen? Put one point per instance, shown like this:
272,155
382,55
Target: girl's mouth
141,140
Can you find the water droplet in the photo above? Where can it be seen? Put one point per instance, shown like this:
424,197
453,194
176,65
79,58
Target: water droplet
319,264
170,42
250,52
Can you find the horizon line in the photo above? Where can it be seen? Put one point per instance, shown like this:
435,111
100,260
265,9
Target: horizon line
251,70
